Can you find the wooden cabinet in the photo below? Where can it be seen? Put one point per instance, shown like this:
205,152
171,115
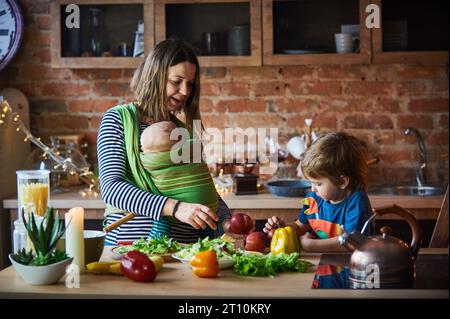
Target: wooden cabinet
303,32
224,32
412,31
106,35
253,32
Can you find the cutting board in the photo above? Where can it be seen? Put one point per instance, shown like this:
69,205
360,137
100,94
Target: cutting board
13,150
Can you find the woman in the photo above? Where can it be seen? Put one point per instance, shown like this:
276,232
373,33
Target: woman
166,83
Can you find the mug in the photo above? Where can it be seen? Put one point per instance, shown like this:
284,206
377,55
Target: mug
346,42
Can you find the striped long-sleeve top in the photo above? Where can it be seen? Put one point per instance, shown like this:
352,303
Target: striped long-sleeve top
119,193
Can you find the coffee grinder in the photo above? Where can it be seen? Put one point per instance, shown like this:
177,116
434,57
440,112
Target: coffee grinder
245,182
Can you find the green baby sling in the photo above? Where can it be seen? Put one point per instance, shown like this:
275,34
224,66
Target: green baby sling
155,173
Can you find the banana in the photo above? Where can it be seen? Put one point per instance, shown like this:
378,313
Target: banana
158,261
106,267
100,267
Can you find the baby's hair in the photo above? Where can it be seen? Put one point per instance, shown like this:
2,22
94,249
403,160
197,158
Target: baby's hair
338,154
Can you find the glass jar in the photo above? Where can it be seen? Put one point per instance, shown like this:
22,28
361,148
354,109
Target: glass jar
97,34
19,236
33,191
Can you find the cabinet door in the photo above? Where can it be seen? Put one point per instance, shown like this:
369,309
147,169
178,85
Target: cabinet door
111,33
308,32
223,32
412,31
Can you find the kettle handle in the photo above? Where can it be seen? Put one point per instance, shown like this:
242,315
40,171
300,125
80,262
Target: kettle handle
415,228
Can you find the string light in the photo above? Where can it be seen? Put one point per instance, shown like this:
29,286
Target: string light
85,174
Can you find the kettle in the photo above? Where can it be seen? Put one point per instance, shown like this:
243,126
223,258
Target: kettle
383,260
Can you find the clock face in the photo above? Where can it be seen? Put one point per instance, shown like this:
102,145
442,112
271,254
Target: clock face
11,30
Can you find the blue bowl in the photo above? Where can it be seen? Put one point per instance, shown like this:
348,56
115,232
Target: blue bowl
289,188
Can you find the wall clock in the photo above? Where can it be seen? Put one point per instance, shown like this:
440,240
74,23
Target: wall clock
11,30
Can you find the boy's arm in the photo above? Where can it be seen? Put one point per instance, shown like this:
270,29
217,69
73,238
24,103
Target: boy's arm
321,245
299,228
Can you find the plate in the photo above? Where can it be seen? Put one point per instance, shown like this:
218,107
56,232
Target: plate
224,263
167,256
301,52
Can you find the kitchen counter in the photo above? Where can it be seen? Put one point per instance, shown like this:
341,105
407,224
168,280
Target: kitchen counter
262,201
177,281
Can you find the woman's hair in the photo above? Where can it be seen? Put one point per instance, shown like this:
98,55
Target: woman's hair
150,80
338,154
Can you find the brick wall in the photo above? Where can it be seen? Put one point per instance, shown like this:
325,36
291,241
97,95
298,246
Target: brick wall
374,102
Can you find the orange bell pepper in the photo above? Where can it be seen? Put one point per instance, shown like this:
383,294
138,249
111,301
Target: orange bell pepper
204,264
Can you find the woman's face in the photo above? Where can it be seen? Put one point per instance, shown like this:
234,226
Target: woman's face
180,81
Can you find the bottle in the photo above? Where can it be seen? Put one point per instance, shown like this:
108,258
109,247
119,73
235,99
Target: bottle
19,236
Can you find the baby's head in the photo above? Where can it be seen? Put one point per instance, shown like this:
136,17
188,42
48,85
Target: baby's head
339,157
156,137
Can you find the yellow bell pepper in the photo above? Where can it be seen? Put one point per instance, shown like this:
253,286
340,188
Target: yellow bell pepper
284,240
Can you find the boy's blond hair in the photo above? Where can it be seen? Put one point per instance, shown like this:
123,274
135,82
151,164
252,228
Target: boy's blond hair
338,154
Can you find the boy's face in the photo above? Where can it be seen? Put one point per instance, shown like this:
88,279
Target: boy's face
327,190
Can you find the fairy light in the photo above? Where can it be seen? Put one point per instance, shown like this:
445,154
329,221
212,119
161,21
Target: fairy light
86,176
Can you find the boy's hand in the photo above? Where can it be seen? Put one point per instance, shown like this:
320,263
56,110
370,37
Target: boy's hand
306,240
273,222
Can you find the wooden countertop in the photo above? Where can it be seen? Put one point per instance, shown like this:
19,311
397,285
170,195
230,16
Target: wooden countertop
263,200
177,281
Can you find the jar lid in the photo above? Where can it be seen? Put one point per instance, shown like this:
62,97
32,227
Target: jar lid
38,173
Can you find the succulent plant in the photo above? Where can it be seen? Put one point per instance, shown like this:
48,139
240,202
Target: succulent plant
44,239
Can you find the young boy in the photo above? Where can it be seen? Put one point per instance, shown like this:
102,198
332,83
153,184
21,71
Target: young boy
336,165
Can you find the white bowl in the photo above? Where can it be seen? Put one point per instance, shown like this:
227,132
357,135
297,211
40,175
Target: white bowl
224,263
41,275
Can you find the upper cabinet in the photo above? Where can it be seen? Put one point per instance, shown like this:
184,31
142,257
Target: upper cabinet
412,31
223,32
315,32
101,33
119,33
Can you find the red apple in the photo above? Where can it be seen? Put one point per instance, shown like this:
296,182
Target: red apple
241,224
256,241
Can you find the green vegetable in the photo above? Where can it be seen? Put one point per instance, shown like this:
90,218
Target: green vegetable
153,246
269,265
222,248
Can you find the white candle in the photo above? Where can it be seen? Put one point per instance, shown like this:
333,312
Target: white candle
74,236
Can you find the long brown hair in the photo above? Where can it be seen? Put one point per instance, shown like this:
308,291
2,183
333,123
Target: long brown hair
336,154
150,79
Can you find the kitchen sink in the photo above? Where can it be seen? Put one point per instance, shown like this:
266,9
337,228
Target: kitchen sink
407,190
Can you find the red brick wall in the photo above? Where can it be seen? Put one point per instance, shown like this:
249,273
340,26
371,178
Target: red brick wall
374,102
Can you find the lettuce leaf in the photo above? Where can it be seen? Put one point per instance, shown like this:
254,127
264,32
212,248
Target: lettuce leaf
269,265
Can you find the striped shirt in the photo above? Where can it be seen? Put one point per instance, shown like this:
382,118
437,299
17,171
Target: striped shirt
119,193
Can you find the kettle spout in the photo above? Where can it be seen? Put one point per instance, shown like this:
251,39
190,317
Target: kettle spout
351,241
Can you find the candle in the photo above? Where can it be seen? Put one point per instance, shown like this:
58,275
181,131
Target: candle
74,236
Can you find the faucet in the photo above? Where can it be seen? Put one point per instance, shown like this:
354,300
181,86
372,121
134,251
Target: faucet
420,174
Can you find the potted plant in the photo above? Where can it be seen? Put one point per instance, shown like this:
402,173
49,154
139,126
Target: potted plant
46,265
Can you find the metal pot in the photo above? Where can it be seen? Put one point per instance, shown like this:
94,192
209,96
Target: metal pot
383,260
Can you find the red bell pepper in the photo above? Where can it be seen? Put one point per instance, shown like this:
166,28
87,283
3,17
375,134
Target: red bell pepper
138,267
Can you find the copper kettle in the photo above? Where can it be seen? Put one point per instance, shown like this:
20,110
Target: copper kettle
384,261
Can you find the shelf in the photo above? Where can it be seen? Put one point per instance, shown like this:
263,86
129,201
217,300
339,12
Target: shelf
235,26
412,31
303,32
113,23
